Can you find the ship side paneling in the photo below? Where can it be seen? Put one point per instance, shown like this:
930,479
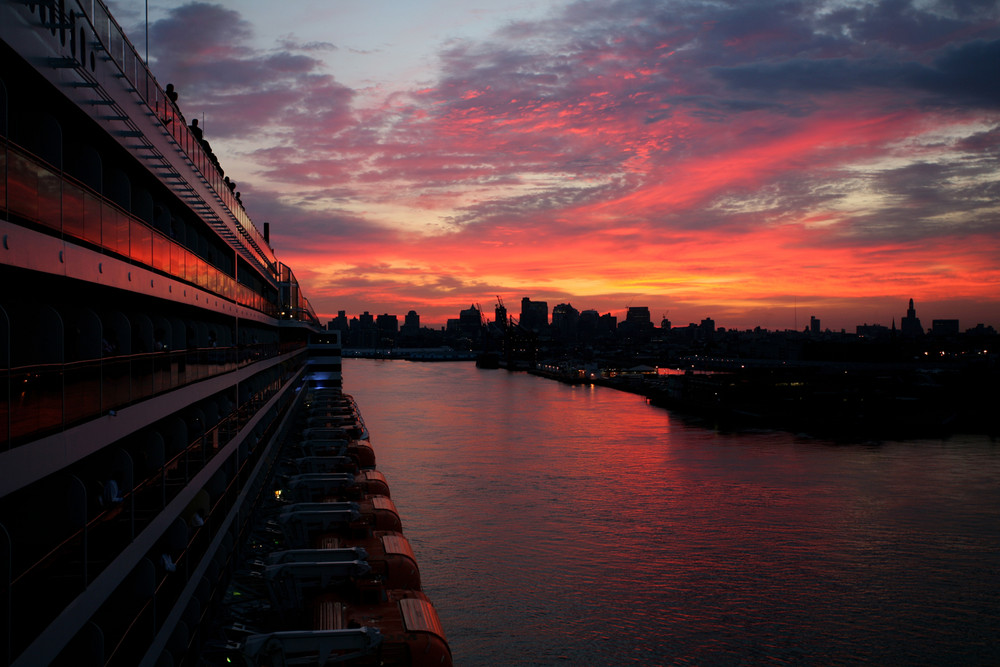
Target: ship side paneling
150,343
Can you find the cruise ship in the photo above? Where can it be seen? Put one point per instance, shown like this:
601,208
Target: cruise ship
158,359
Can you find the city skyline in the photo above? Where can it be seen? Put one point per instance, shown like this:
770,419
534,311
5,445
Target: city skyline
748,162
910,311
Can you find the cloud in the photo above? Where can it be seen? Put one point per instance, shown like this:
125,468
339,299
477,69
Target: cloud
961,76
205,49
706,154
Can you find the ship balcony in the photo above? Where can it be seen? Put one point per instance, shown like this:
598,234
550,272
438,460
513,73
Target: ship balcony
77,536
49,398
100,35
39,196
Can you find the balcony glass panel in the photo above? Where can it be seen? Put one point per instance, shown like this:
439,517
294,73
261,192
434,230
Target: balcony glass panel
101,20
36,401
4,410
161,252
72,215
49,199
203,271
115,42
92,218
164,372
140,241
22,183
115,381
36,193
3,177
190,267
178,256
114,229
82,391
142,376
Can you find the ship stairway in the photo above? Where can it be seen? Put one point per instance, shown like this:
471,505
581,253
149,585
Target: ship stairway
155,160
56,16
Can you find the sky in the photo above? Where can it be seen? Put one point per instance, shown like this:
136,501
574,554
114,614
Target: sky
754,162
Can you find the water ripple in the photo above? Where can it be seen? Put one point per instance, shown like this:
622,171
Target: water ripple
573,525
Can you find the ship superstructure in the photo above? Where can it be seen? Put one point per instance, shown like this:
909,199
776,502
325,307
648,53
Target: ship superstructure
151,348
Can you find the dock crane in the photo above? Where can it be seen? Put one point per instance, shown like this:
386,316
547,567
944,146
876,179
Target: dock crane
501,314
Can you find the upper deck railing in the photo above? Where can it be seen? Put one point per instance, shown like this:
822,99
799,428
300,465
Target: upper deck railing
119,49
60,17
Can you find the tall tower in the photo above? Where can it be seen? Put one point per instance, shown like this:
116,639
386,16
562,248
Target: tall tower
910,325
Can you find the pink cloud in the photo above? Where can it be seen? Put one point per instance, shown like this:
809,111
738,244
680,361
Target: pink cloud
704,156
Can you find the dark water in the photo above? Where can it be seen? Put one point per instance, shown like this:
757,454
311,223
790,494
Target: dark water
560,525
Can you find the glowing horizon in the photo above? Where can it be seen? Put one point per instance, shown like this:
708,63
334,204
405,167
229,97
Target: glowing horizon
754,164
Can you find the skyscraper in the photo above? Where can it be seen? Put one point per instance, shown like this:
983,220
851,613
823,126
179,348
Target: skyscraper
910,325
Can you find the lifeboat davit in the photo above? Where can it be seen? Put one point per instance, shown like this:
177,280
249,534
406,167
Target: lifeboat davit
403,630
313,486
352,617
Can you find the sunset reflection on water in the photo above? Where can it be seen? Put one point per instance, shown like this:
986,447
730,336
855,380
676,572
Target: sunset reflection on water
579,525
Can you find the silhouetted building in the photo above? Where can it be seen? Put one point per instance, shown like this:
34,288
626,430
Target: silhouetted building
387,326
608,324
637,325
362,331
872,331
564,321
981,330
339,323
707,328
411,324
534,315
910,325
944,327
588,325
638,316
814,325
470,323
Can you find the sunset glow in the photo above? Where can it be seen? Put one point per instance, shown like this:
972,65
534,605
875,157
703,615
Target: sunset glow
756,163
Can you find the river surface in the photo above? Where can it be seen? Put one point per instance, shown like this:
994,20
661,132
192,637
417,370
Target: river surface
577,525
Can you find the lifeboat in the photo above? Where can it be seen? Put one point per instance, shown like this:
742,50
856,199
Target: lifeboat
337,442
388,553
353,615
343,586
351,429
403,629
388,557
315,486
331,421
299,522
